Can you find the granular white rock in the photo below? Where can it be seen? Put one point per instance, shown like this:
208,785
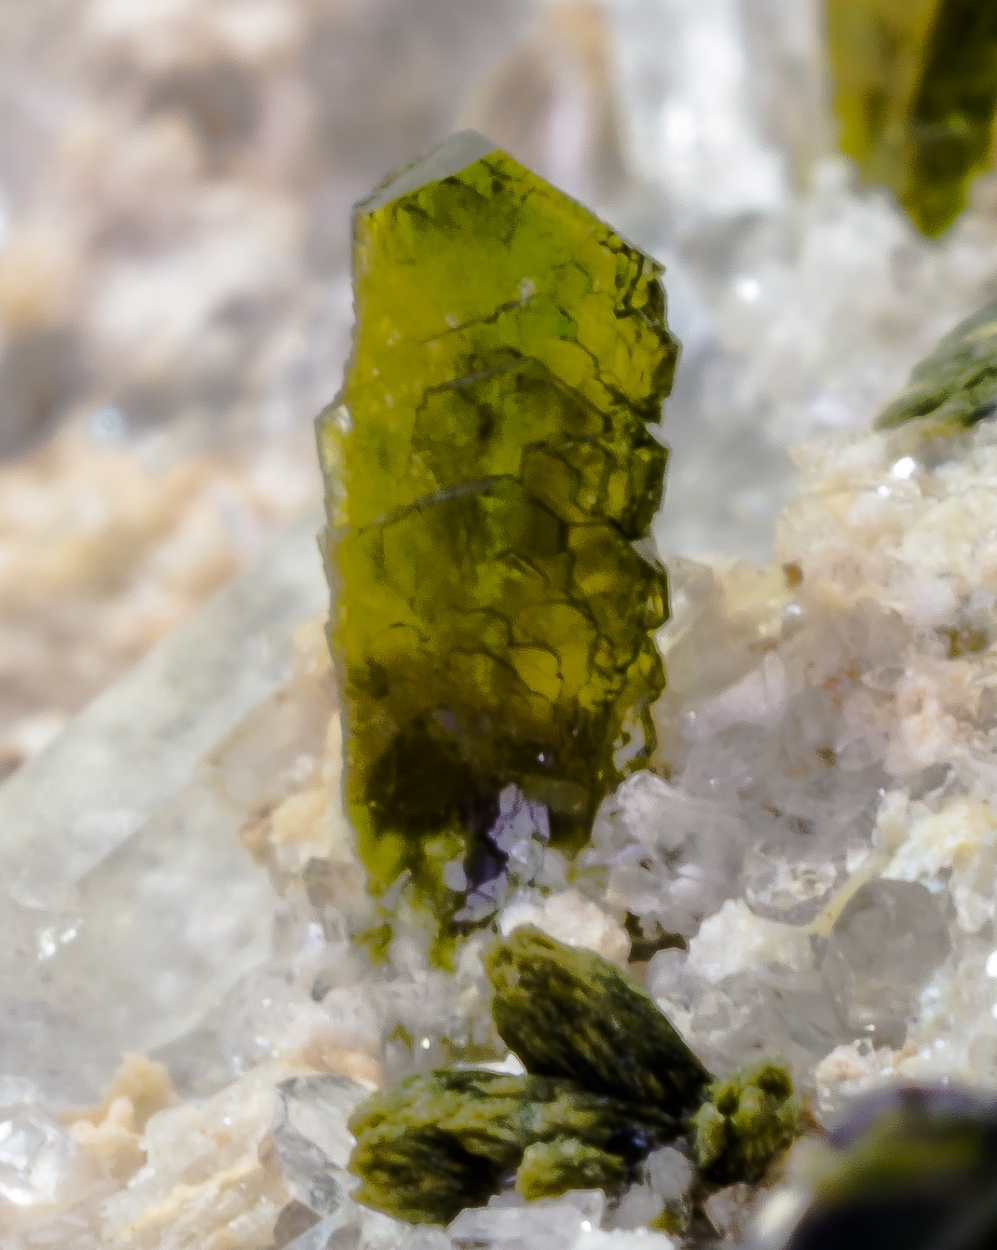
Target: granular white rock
735,941
569,918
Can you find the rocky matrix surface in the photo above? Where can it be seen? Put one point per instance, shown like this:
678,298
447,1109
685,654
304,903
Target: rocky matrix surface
819,832
811,871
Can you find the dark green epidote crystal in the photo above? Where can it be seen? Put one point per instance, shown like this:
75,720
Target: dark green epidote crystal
570,1013
489,465
956,386
912,1169
608,1080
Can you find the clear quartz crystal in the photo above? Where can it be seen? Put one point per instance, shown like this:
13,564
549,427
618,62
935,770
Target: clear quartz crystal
312,1141
510,1223
38,1158
885,944
787,888
128,905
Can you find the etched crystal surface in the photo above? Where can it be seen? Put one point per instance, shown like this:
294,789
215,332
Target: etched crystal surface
489,464
916,95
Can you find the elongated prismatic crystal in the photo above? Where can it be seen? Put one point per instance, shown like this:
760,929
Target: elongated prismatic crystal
489,465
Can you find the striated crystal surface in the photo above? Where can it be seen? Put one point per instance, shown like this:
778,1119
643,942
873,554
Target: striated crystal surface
956,385
916,95
746,1121
569,1013
432,1144
489,464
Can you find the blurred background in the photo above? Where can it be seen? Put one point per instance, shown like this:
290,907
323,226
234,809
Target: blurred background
176,179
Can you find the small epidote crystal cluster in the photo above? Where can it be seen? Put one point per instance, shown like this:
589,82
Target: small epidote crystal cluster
489,464
608,1079
956,385
916,95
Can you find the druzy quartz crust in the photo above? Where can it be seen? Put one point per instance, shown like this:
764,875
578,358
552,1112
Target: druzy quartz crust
490,464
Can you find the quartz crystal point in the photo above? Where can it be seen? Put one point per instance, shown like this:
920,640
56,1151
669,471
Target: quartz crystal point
916,95
489,465
956,386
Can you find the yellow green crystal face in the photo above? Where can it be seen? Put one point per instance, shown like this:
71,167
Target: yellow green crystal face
488,465
916,95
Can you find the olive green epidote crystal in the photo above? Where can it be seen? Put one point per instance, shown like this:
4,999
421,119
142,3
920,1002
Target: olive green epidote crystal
435,1143
956,386
608,1080
489,465
570,1013
916,95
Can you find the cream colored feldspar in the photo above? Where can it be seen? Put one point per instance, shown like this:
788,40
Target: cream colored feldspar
208,1180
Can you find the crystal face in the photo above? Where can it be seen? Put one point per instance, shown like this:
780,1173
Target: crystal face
570,1013
915,95
488,465
437,1142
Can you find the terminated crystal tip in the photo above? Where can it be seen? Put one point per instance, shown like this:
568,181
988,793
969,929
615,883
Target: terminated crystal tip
489,464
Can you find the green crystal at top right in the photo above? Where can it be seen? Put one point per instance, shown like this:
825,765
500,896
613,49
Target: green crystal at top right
956,386
915,93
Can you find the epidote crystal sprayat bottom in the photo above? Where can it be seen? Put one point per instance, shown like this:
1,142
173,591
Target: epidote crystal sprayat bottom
916,94
489,464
